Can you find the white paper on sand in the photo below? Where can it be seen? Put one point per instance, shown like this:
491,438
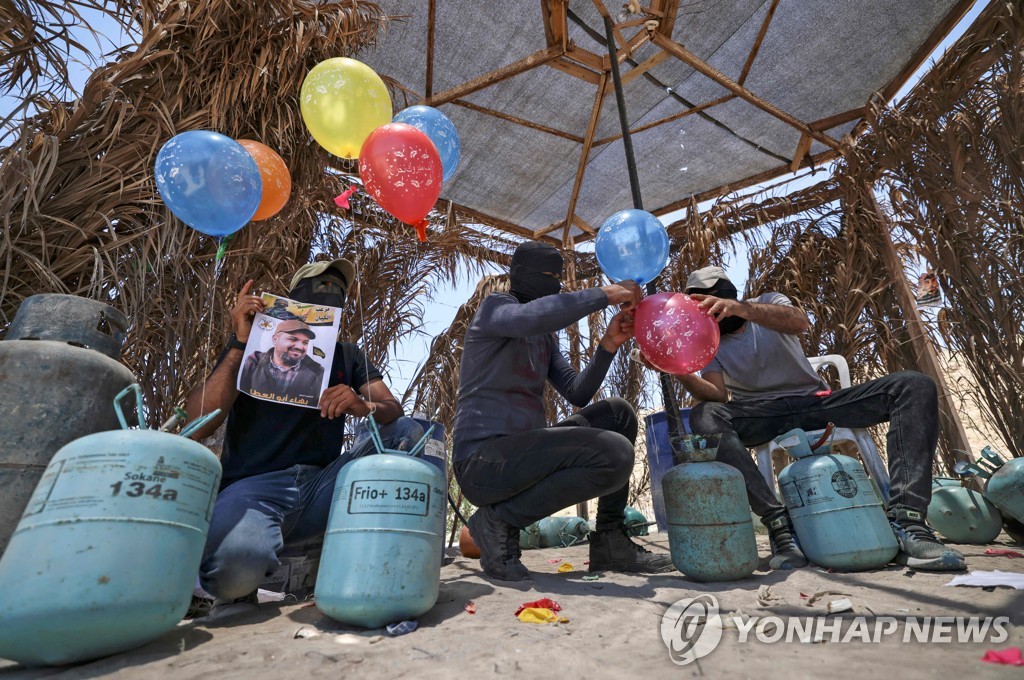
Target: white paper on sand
989,578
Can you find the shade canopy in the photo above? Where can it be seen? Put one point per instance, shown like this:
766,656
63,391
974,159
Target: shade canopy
720,94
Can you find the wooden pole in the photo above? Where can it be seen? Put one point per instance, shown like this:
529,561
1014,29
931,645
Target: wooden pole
690,59
927,359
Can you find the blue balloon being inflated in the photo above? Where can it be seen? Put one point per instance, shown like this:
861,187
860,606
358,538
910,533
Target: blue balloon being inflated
632,244
209,181
441,131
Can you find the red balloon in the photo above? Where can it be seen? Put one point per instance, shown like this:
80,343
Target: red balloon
401,169
674,334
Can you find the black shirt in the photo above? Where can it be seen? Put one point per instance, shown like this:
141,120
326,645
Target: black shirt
265,436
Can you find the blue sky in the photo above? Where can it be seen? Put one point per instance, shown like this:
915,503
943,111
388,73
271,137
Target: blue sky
440,312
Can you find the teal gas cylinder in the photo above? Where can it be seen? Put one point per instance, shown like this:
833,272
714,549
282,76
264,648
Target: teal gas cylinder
962,515
634,522
710,534
554,532
529,537
381,559
59,371
562,532
839,519
1005,488
106,555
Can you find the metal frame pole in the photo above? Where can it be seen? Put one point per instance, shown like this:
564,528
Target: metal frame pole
667,395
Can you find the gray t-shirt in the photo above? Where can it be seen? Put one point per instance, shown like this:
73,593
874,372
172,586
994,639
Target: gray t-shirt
758,363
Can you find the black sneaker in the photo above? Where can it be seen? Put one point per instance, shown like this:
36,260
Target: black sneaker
919,547
499,546
786,552
612,550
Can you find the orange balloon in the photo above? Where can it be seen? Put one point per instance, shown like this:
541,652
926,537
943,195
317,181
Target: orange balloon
277,181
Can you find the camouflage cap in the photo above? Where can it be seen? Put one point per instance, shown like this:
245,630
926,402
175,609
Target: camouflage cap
341,265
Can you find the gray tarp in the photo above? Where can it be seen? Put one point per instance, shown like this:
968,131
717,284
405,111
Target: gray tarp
819,58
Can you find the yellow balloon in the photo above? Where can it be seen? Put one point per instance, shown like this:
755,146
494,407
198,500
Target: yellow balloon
342,102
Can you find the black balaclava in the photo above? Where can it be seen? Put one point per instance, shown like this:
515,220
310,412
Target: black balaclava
527,273
327,289
724,289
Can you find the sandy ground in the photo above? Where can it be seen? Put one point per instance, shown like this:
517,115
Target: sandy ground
613,632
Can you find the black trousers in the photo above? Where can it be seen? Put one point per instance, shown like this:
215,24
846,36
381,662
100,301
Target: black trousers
528,476
908,401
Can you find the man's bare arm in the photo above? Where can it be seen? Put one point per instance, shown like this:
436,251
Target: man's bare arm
219,390
709,387
782,318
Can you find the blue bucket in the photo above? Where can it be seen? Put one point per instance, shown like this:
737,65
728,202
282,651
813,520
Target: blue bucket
660,458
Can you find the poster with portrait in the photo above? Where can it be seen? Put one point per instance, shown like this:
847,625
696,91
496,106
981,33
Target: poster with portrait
289,353
928,292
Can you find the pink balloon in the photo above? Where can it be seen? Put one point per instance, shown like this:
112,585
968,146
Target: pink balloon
674,334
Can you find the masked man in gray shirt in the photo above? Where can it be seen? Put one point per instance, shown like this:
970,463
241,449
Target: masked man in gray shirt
508,462
774,389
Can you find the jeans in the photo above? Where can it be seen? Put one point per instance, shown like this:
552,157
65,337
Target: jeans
528,476
255,516
907,400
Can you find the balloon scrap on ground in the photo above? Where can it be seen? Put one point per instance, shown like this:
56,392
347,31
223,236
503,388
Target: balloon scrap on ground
277,181
632,245
441,131
209,181
342,101
401,169
675,334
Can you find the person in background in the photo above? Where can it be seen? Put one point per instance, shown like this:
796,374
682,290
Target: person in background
760,385
507,461
281,461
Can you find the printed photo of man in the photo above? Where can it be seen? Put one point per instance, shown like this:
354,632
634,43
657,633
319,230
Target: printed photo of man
286,370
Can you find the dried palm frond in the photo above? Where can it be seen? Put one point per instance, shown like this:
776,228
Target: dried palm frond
79,212
950,158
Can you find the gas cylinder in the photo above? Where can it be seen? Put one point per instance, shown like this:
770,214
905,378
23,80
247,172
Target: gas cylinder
529,537
962,515
1005,488
58,375
562,532
634,522
710,534
839,519
106,555
381,560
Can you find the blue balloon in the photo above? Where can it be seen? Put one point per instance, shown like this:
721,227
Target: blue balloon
441,131
209,181
632,244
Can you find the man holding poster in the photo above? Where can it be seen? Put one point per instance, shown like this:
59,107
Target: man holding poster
281,457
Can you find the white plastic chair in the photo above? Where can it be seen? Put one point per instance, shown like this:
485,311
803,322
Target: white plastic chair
858,438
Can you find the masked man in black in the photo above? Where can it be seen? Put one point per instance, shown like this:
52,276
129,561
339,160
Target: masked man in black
508,462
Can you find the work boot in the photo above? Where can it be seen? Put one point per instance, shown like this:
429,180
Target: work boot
499,546
786,552
612,550
919,547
